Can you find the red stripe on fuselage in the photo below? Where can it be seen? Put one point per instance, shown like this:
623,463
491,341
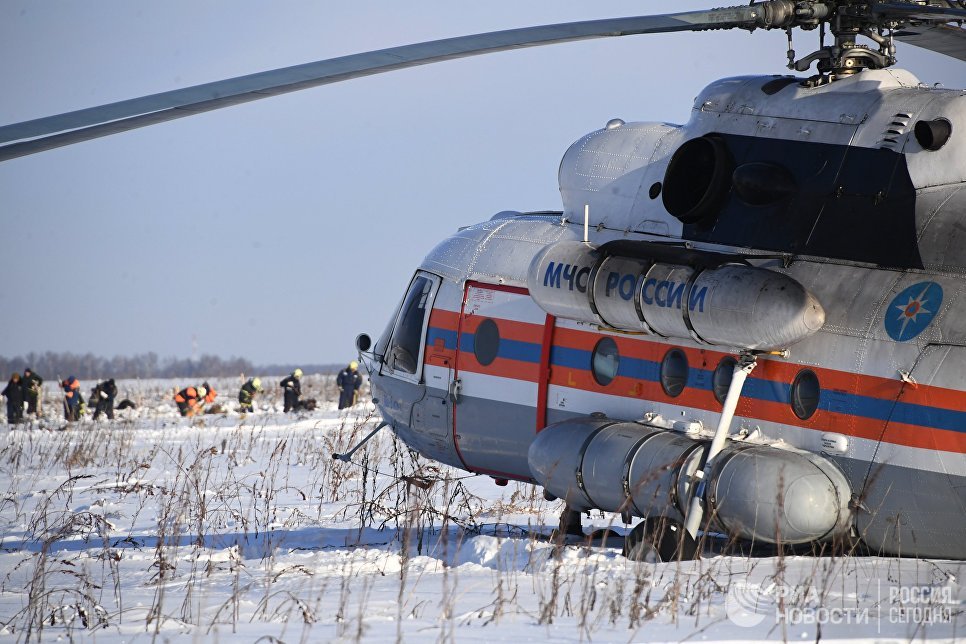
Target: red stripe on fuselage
781,373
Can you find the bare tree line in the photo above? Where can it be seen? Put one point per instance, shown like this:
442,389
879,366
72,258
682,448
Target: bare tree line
52,364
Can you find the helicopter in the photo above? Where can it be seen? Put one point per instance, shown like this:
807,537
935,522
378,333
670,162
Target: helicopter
697,337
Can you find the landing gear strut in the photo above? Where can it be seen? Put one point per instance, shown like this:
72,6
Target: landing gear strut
658,539
569,524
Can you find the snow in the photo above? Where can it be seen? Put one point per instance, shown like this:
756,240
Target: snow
241,527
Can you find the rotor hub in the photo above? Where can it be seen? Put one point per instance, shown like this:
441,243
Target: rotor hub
854,59
846,20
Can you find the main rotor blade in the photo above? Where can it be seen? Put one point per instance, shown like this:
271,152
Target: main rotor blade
918,12
82,125
943,39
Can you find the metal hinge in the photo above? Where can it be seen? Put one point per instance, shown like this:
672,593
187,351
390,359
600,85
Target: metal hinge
455,387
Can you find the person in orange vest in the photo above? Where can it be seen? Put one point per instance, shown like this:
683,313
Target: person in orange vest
189,400
210,393
73,400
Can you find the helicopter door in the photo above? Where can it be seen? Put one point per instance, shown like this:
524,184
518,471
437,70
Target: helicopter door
416,389
500,382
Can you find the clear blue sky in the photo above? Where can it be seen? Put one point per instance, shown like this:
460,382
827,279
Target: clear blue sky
279,229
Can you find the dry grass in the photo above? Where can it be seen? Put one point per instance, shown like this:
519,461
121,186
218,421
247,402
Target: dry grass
225,505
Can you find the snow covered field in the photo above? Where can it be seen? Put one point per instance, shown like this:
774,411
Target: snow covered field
243,528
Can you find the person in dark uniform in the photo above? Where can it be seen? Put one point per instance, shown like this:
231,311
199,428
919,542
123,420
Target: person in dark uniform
292,386
32,387
14,395
73,400
103,397
189,400
246,395
349,382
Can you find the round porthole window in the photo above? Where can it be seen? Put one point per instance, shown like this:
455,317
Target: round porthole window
674,372
721,379
486,342
605,361
805,394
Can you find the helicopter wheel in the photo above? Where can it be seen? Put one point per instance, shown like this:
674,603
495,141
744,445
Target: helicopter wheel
658,539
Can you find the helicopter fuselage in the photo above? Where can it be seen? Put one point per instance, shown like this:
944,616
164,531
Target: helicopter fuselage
815,230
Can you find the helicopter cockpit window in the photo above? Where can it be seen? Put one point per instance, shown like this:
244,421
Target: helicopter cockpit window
403,354
805,394
605,361
674,372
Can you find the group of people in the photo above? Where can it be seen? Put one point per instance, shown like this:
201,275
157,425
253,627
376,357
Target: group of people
102,398
21,390
349,381
191,400
26,390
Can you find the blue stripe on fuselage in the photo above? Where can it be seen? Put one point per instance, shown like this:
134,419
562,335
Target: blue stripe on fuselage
435,333
755,388
507,349
778,392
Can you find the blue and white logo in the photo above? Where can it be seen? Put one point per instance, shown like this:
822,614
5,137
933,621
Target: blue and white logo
911,311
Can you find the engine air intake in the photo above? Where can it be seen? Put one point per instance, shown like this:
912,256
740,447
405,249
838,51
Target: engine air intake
698,179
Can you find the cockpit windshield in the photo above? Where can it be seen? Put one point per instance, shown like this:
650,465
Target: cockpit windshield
403,354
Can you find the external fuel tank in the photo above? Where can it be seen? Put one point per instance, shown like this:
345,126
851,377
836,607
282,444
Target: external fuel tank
711,300
754,491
